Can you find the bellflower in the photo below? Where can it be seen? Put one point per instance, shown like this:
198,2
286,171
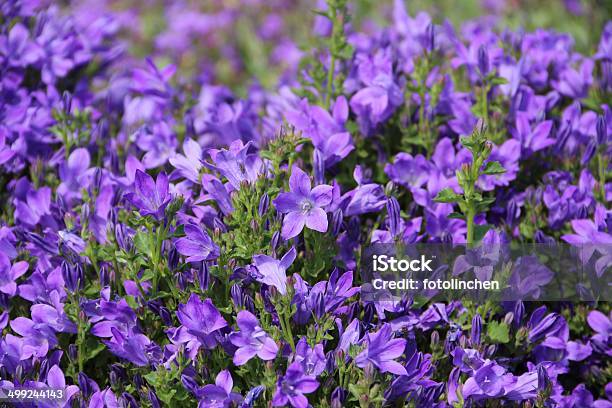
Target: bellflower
272,272
292,386
10,273
150,197
220,394
303,205
197,245
381,351
201,319
532,140
251,340
236,164
189,164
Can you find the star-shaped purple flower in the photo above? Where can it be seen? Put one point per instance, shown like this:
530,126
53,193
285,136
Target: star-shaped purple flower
303,205
150,197
251,340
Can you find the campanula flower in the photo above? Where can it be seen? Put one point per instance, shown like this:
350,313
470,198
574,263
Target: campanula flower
291,387
251,340
150,197
10,273
237,164
273,272
381,351
197,245
220,394
201,319
189,164
303,205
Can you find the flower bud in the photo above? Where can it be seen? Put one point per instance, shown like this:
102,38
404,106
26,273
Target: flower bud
318,167
483,60
73,352
476,329
435,338
519,312
236,294
153,398
66,102
393,211
543,378
264,204
203,276
589,152
338,397
508,318
85,384
602,130
337,219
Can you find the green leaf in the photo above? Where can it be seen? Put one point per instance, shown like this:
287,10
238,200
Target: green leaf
493,167
447,196
498,332
499,81
142,242
456,215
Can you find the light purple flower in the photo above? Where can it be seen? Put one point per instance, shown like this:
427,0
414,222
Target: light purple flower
9,274
303,205
272,272
381,351
251,340
189,164
236,164
197,245
150,197
201,319
532,139
220,394
290,388
158,141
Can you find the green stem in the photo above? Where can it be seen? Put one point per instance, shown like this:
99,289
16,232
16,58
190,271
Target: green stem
601,170
470,225
330,80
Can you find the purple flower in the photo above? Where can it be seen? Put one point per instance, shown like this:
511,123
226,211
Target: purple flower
201,319
313,359
303,205
326,131
188,165
290,388
602,325
381,95
251,340
220,394
236,164
17,49
575,84
159,143
135,348
73,174
57,380
150,197
532,140
272,272
9,274
197,245
381,351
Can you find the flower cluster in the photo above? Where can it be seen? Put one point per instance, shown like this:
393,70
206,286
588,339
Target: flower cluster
184,227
